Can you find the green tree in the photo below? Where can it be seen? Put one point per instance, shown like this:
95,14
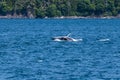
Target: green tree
40,13
85,8
111,7
52,11
63,9
99,7
5,8
54,8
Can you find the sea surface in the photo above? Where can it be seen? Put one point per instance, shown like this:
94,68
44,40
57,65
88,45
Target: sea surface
27,51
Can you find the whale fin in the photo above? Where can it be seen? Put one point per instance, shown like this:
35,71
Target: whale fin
68,34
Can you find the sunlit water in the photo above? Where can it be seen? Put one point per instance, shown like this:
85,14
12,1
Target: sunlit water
27,51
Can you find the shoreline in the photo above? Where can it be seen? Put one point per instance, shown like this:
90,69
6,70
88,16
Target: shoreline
61,17
88,17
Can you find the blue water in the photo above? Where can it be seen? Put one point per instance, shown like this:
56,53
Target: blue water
28,53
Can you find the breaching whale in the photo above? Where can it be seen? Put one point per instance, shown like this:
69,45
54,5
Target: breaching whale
65,38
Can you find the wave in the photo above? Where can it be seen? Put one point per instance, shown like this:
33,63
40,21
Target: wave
103,40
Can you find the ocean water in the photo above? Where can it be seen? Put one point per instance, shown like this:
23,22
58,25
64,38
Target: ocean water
27,51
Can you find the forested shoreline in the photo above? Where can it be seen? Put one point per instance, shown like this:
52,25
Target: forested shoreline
58,8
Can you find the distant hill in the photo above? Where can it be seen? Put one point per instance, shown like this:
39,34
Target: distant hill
58,8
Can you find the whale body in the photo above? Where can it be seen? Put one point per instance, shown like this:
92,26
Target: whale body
65,38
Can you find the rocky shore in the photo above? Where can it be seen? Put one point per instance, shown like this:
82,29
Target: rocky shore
62,17
16,16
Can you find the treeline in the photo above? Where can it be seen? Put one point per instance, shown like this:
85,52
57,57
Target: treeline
57,8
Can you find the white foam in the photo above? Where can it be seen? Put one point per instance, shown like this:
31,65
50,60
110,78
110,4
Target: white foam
102,40
75,40
40,61
57,40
